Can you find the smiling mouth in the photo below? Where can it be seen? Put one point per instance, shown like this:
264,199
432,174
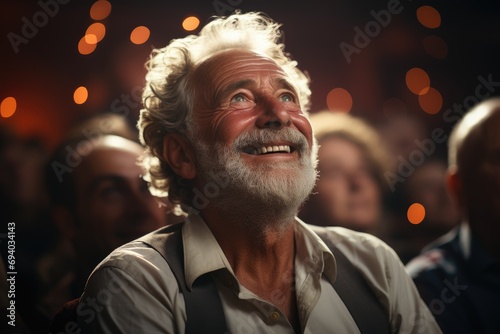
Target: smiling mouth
269,149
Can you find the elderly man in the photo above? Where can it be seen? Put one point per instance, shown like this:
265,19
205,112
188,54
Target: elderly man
225,121
459,275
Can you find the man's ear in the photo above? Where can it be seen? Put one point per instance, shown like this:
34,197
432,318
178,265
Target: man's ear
455,186
179,155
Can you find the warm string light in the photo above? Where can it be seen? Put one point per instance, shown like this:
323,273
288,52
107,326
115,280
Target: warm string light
415,213
190,23
100,10
8,107
140,35
80,95
339,100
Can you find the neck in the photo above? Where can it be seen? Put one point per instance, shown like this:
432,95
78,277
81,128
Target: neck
261,251
255,243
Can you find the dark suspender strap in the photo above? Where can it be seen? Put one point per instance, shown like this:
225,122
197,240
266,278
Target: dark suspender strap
358,297
203,305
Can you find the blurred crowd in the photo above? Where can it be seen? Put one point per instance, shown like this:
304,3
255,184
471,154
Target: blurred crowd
74,204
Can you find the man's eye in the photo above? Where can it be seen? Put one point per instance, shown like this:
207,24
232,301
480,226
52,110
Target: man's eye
239,98
287,97
111,192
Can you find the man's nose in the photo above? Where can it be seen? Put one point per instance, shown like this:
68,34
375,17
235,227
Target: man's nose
355,181
274,115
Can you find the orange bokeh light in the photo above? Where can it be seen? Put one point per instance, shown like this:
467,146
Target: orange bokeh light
8,107
431,102
190,23
84,47
339,100
139,35
98,30
429,17
416,213
100,10
80,95
90,38
417,81
436,47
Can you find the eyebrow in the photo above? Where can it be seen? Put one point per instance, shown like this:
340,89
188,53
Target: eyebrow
232,87
286,84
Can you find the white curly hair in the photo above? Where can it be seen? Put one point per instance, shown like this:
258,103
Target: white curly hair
168,94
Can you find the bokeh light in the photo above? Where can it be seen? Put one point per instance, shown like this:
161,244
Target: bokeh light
90,39
339,100
8,107
100,10
431,102
98,30
416,213
435,46
417,81
190,23
84,47
139,35
429,17
80,95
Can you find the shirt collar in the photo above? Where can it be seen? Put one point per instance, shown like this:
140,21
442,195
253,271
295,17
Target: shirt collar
464,239
313,252
202,253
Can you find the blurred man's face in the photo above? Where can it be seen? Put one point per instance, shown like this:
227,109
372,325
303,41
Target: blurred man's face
482,179
114,205
250,126
347,191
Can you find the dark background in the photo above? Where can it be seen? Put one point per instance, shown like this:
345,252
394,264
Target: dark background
43,75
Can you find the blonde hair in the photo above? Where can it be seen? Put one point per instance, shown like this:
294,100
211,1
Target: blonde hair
327,124
168,95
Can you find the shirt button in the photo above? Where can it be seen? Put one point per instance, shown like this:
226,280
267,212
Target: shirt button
274,316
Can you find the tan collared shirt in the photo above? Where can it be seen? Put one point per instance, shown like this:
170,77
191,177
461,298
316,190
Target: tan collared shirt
134,290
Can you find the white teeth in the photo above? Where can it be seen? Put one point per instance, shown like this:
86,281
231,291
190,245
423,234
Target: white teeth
268,149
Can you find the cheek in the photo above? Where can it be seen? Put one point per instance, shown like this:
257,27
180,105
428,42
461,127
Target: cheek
228,125
331,191
304,126
101,216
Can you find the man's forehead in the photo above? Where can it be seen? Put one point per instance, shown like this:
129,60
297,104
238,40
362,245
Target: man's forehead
109,160
237,60
491,128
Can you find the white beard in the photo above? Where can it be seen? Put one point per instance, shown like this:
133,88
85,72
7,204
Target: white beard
274,191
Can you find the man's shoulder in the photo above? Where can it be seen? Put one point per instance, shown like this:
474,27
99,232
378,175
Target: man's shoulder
344,236
366,251
133,256
440,258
